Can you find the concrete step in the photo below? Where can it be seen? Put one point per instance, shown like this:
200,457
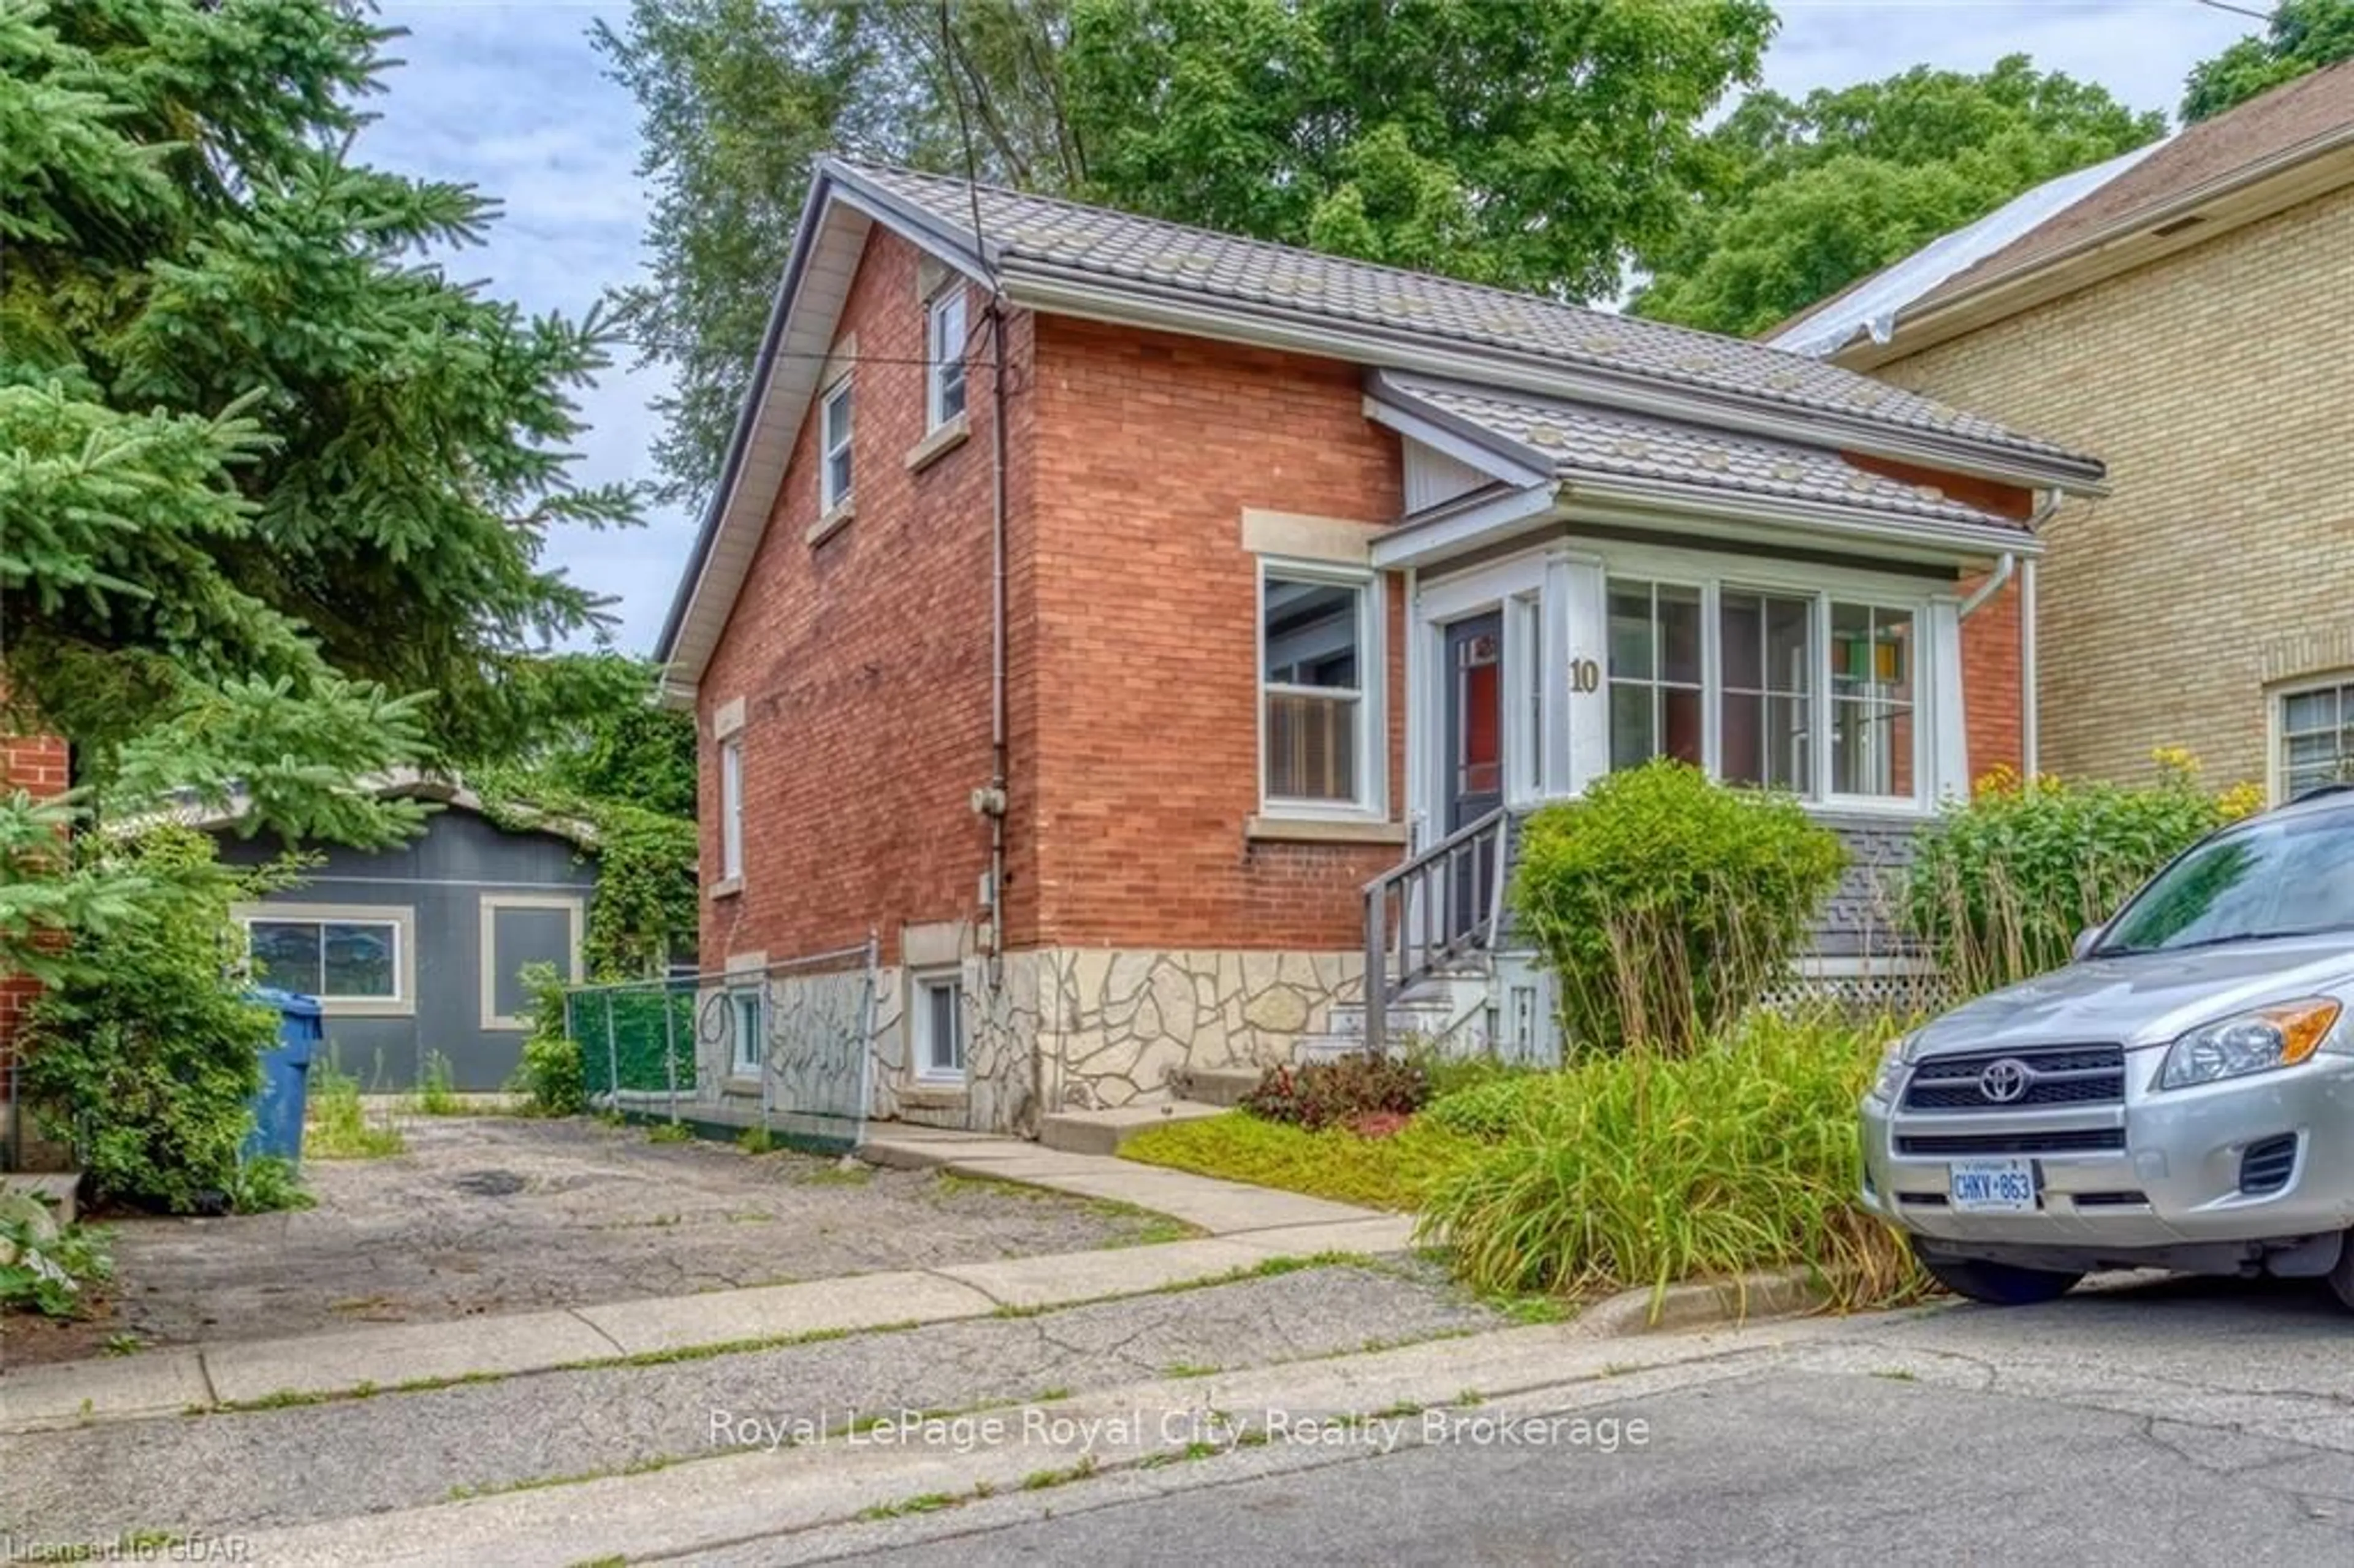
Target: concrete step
1216,1085
1425,1015
1103,1131
57,1189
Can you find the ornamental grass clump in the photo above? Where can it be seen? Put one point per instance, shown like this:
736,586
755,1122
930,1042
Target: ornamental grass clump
1642,1168
1668,904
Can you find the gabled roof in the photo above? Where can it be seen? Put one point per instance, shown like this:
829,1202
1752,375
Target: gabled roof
2153,188
1577,441
1061,256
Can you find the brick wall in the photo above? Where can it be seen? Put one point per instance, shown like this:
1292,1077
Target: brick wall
864,663
36,764
2212,382
1147,763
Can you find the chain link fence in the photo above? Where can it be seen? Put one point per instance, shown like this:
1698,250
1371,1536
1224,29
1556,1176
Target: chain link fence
786,1048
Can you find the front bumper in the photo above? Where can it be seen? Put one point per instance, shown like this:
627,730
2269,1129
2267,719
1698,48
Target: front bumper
2171,1196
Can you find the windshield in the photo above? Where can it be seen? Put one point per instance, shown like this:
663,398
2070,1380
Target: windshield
2277,878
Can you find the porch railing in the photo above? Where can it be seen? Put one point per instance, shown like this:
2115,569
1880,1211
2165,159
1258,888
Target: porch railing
1439,907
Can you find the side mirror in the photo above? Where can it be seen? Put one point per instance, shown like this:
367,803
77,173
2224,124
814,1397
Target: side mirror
2084,943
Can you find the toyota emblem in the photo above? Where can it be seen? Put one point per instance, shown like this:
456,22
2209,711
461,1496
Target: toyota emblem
2006,1080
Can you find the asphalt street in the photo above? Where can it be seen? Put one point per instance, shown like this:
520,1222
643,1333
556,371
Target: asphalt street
2185,1422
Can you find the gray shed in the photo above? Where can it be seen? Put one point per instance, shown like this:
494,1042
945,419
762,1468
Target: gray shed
420,948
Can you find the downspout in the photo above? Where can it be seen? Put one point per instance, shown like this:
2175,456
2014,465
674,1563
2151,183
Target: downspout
2012,564
998,769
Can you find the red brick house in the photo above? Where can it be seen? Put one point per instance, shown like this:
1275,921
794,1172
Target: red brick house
1094,607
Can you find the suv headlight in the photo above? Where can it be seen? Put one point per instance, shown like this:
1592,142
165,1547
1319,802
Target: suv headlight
1893,1065
2254,1042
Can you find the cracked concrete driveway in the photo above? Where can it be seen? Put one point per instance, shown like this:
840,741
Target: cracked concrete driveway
2180,1422
505,1215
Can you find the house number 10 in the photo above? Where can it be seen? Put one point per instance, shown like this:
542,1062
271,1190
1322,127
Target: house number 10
1584,675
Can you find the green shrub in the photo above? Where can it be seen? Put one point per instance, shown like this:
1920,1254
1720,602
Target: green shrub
340,1125
1493,1106
267,1184
1379,1172
1346,1089
550,1071
1643,1168
437,1092
146,1057
45,1267
1666,903
2000,887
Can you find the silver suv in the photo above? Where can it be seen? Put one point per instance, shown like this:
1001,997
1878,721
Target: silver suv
2179,1096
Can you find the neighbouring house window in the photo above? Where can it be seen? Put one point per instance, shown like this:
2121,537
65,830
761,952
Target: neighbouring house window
945,392
731,809
749,1032
1314,633
939,1026
1872,656
1655,672
1766,707
2316,738
835,428
334,960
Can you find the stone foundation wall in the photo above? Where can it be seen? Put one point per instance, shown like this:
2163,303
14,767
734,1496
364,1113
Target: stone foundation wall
1116,1026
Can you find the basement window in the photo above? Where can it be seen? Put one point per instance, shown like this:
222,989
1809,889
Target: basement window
939,1027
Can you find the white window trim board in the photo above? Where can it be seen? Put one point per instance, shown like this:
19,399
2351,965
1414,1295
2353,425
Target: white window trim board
575,905
1372,682
402,917
920,984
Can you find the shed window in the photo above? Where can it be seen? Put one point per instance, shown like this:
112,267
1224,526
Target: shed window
334,960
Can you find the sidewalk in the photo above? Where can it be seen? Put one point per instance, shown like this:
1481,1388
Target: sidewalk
1247,1227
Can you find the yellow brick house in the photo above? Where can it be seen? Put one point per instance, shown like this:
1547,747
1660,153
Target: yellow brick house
2188,312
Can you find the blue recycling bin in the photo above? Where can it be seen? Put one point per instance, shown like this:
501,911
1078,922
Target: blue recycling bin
285,1078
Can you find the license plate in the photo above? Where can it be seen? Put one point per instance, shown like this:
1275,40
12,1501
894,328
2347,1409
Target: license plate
1980,1186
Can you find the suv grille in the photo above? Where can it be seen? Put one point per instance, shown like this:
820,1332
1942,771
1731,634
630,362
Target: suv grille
2065,1076
2080,1140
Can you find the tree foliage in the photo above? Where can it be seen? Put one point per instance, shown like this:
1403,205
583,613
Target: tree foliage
1813,193
267,479
1530,144
2302,36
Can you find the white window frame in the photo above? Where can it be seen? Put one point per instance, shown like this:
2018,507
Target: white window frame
486,917
1371,803
830,447
739,1066
400,918
923,1047
1825,586
945,350
2277,723
731,811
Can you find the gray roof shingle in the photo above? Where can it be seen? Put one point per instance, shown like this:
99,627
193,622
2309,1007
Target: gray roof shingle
1580,439
1115,245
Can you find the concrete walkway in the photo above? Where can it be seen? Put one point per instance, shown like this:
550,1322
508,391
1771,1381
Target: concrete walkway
1248,1226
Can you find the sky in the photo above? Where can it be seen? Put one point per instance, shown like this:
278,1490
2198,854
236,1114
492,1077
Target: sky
512,97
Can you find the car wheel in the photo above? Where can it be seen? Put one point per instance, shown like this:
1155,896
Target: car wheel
2341,1275
2003,1284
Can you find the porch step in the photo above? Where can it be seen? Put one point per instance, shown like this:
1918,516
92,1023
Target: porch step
57,1189
1222,1086
1103,1131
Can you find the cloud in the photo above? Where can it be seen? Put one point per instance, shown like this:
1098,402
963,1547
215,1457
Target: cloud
512,99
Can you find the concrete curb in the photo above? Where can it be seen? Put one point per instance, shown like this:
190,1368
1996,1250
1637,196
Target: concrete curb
408,1357
1779,1293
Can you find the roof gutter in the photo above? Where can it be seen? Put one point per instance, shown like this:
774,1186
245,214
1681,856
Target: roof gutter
1137,302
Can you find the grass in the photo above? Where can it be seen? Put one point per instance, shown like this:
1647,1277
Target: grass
1378,1172
1642,1169
670,1132
437,1092
341,1126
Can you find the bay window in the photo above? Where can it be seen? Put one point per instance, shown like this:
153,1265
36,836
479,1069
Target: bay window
1782,689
